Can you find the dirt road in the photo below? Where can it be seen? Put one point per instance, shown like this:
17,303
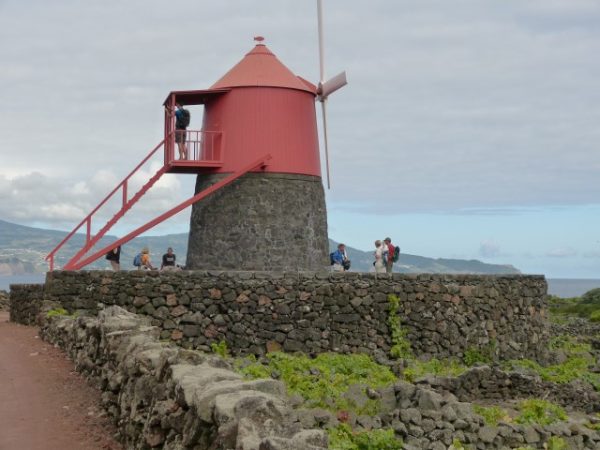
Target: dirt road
44,404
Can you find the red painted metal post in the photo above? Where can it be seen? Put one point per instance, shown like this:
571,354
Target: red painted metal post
51,263
124,193
88,226
206,192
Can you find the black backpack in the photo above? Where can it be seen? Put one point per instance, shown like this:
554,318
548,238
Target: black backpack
396,254
183,120
331,261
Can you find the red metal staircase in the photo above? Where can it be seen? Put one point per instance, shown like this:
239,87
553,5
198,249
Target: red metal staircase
170,165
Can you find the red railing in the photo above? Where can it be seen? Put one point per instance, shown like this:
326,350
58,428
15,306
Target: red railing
203,149
259,163
126,205
201,146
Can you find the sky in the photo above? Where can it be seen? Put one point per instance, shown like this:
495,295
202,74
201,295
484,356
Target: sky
469,129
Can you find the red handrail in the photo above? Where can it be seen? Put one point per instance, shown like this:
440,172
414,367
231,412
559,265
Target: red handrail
88,219
199,196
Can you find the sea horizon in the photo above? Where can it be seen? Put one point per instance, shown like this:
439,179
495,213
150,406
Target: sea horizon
560,287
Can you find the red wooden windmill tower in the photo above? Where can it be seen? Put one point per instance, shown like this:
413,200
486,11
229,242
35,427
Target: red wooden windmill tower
259,200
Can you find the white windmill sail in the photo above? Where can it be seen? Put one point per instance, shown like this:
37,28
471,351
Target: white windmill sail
326,88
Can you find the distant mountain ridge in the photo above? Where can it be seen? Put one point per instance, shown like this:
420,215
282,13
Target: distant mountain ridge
23,249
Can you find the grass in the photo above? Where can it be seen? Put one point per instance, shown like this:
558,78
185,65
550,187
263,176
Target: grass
343,438
586,306
492,415
444,368
323,381
540,411
56,312
220,349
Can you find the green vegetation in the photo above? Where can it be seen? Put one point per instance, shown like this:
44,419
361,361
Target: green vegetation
457,445
322,381
569,345
57,312
594,426
444,368
556,443
483,355
587,306
400,344
576,366
220,349
540,411
492,414
343,438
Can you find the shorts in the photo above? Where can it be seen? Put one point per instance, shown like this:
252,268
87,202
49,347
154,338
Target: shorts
180,136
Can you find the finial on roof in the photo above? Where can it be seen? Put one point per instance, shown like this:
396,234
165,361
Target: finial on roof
259,39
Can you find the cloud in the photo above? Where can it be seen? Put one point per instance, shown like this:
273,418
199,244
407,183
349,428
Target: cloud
563,252
441,115
489,249
62,203
592,254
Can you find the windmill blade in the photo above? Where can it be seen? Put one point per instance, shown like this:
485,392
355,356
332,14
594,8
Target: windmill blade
324,113
333,84
321,47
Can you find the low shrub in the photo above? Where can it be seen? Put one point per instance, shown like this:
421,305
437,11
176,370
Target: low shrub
556,443
492,415
446,367
57,312
540,411
220,349
322,381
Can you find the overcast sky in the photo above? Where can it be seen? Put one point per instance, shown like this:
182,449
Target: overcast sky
468,129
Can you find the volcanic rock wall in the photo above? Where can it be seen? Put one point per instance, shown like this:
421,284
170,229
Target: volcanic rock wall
443,315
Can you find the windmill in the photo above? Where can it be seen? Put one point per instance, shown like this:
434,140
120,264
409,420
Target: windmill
259,200
326,88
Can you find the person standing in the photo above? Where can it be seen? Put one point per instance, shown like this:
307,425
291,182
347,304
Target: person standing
168,260
379,261
182,121
389,254
114,257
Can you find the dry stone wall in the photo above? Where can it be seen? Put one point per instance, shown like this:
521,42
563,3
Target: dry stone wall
162,396
25,302
444,315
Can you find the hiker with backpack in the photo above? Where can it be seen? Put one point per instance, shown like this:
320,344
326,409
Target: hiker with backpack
391,254
182,121
142,260
339,259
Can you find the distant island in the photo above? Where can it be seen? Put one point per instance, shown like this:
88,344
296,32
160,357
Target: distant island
23,249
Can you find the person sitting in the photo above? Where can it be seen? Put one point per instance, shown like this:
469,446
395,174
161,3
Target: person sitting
168,260
340,259
146,264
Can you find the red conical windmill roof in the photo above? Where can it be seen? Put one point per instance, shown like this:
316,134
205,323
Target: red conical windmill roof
260,67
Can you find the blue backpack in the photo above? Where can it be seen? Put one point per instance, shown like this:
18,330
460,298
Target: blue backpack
137,261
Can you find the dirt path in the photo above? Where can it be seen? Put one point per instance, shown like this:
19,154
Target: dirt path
44,404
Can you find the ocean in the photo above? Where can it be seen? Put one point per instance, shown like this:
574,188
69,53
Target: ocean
561,287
